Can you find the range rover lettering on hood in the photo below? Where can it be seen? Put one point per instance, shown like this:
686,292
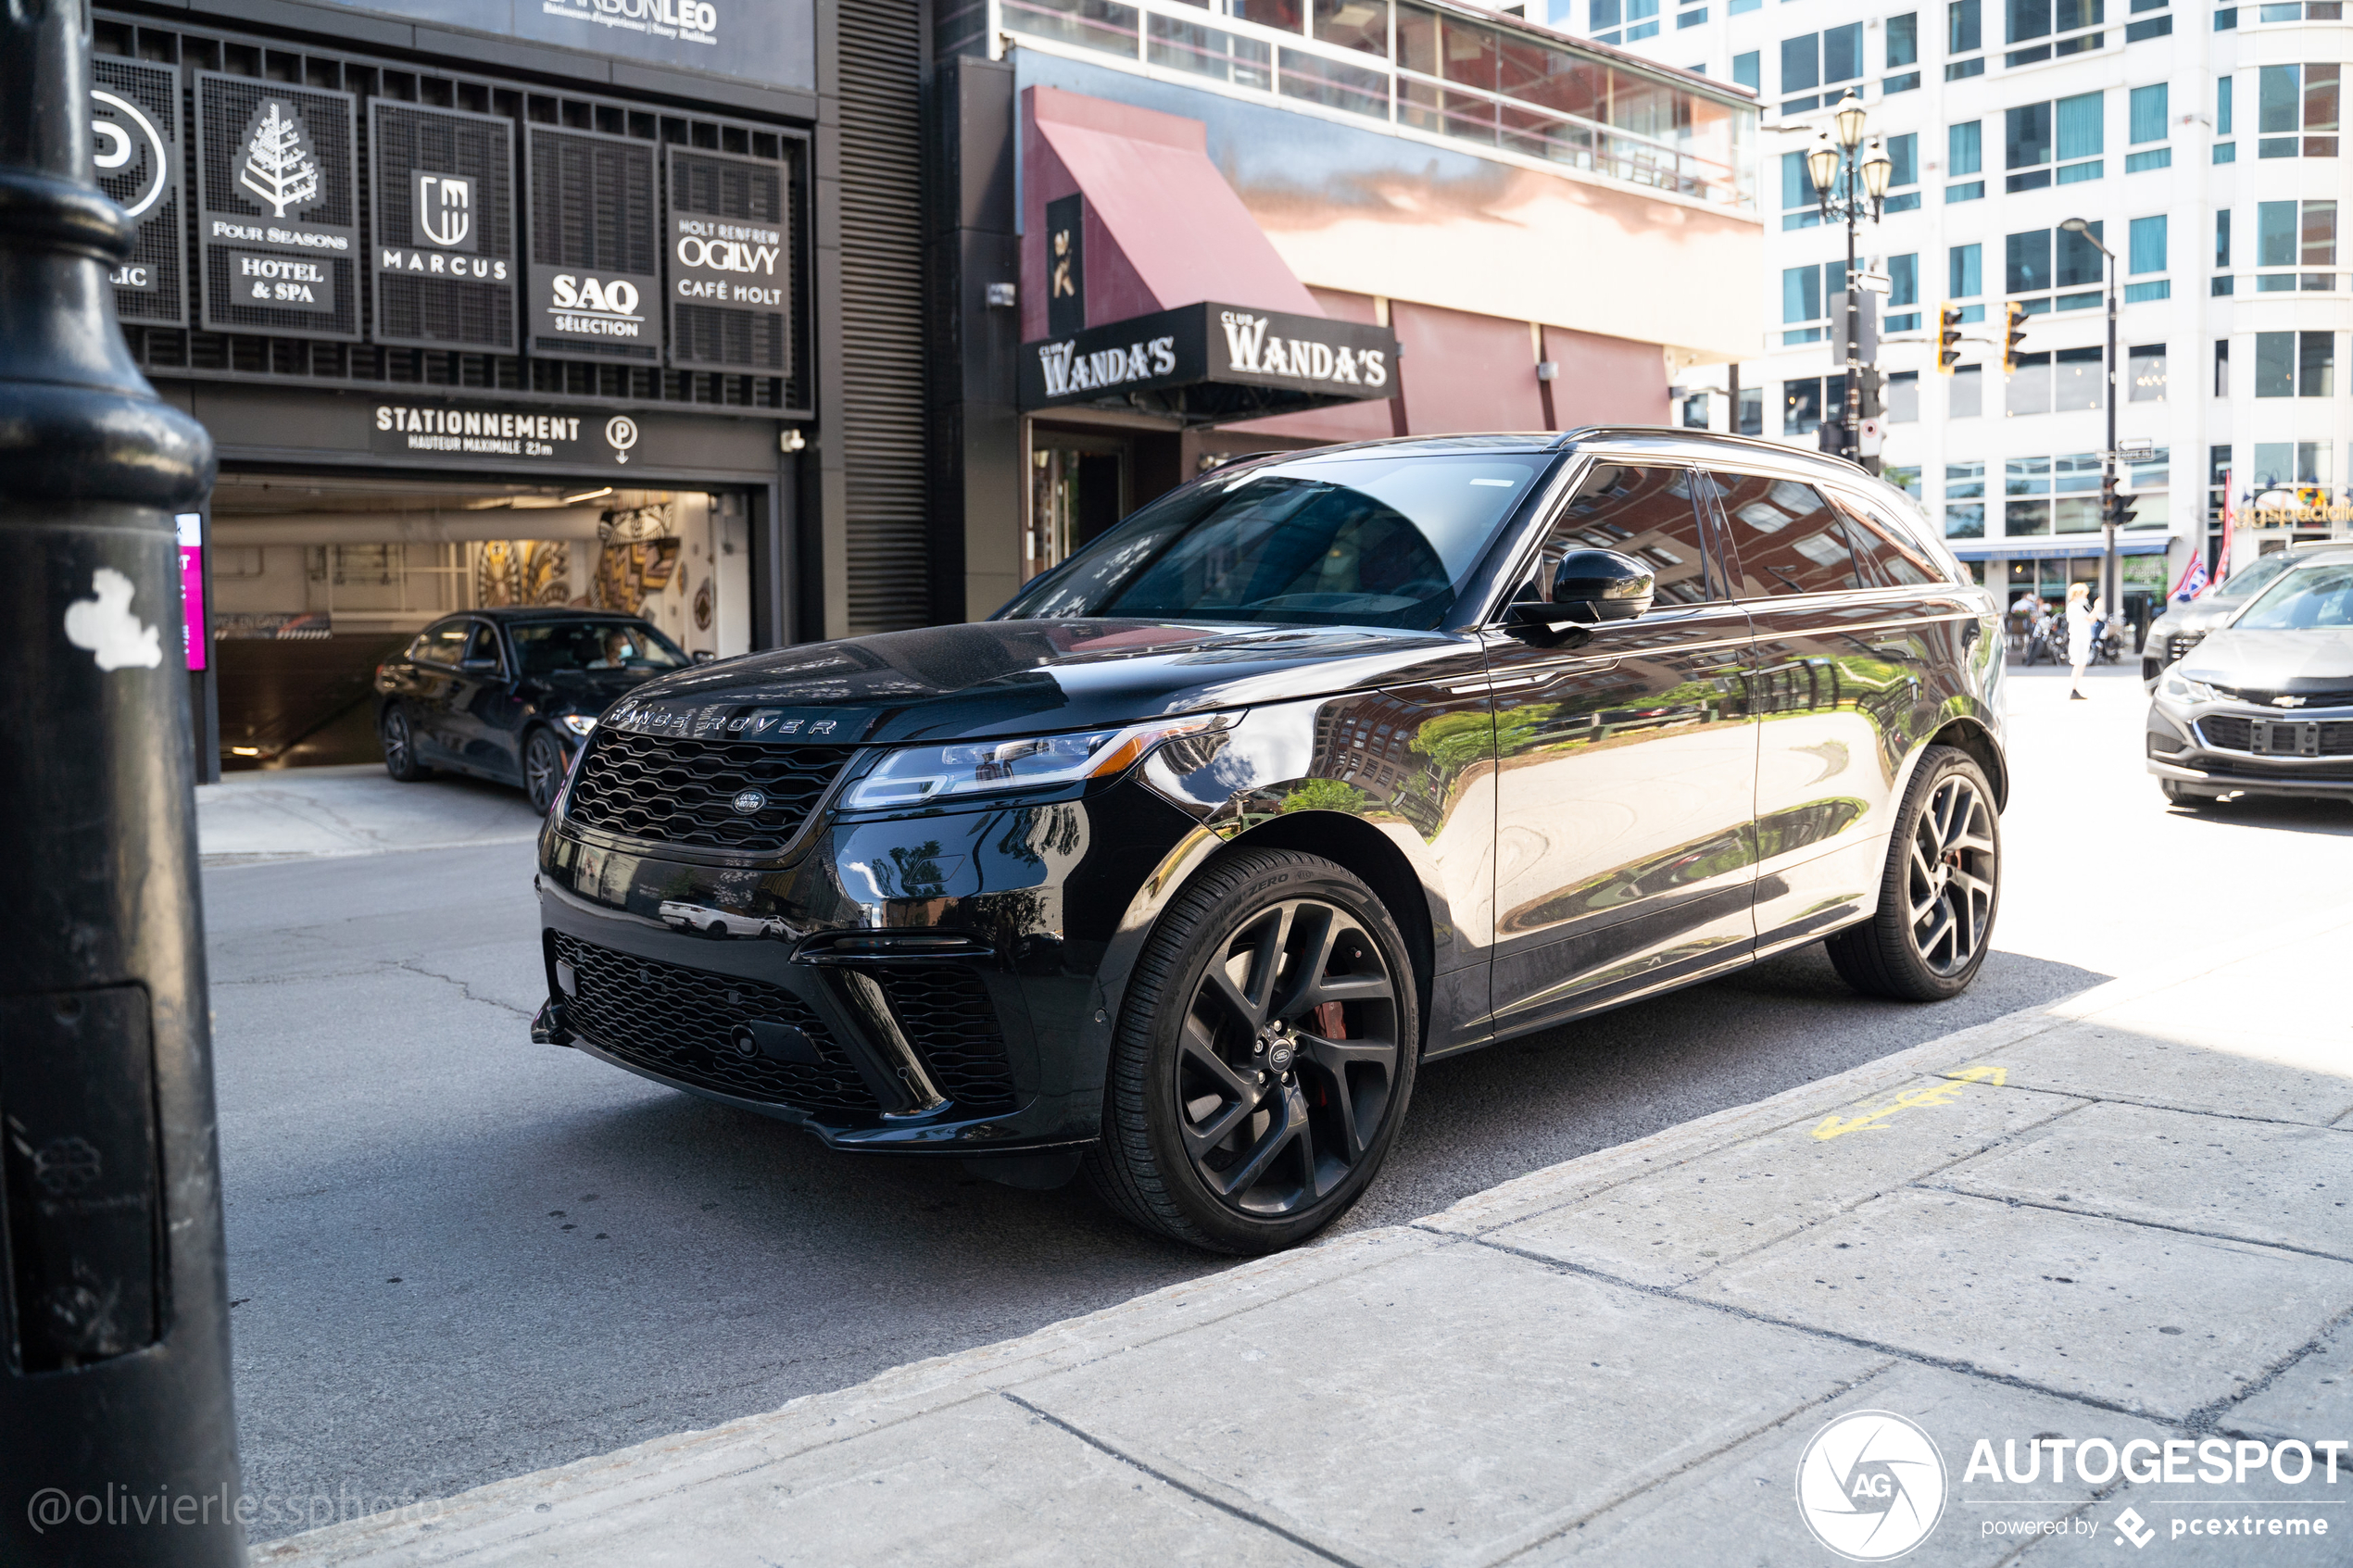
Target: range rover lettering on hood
733,721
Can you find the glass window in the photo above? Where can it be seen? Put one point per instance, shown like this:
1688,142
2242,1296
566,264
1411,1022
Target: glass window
2080,263
2278,100
1745,73
2026,476
1607,15
2315,364
2026,265
1904,398
1359,539
2275,234
2076,473
2222,238
1802,406
1801,64
1961,33
445,644
2222,367
1881,561
481,646
2145,249
2029,391
2026,135
1645,512
1357,24
548,645
1785,536
2026,519
2027,19
2145,370
1967,399
1802,294
2148,113
2080,129
1797,186
2320,98
1903,281
2274,364
1842,52
1964,146
1903,153
2318,234
1965,519
1282,14
1965,271
1750,413
2223,105
1903,40
2079,379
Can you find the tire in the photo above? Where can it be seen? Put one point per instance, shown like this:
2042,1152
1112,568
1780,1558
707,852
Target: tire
542,769
399,741
1200,1145
2179,796
1939,893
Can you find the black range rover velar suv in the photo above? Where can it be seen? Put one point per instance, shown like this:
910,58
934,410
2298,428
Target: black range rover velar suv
1318,767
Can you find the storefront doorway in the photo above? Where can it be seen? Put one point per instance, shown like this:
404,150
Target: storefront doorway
317,578
1078,486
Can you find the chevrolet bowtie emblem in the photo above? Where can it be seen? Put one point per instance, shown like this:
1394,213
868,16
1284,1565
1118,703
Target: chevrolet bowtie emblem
2288,702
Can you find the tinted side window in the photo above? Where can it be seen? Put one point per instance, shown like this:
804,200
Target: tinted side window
1649,513
1884,561
1785,537
445,644
483,643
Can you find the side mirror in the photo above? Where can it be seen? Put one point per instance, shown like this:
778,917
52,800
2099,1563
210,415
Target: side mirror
478,665
1589,587
704,655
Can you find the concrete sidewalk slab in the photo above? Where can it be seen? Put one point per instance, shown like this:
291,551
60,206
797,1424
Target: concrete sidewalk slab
2251,1181
310,813
2122,1315
2313,1395
1535,1397
1669,1229
2278,1079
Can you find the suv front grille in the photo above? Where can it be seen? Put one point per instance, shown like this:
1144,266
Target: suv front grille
679,1021
946,1015
671,790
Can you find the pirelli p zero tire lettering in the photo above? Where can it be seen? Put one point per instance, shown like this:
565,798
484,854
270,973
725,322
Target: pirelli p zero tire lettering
1264,1056
1938,892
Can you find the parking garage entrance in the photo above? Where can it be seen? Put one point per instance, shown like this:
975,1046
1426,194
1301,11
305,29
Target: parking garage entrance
315,578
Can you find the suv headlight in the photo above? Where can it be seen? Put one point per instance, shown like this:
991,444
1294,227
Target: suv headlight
2181,688
578,723
917,774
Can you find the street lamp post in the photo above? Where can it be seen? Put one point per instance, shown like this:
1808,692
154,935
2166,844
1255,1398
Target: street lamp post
1859,175
117,1436
2111,564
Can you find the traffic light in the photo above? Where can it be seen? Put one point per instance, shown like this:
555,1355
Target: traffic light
2119,509
2013,333
1948,338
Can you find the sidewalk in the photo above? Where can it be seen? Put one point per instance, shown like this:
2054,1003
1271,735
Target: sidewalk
306,813
2114,1219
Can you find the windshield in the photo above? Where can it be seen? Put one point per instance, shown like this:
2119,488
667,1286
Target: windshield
2318,597
547,647
1375,539
2258,576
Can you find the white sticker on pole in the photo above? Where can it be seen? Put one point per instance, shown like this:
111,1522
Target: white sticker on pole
104,625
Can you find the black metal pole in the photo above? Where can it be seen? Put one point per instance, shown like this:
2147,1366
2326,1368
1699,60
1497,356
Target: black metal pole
1851,440
2111,570
116,1439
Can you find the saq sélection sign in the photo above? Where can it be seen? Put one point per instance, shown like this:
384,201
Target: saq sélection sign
1211,345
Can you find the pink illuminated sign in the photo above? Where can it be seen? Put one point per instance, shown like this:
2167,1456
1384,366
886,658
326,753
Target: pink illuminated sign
195,643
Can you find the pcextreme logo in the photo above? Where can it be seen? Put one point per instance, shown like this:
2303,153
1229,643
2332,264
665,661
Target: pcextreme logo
1870,1486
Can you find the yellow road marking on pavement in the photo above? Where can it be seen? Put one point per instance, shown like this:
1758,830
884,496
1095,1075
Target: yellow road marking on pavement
1942,1092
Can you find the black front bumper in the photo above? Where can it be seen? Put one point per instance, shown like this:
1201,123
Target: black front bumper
2180,749
928,983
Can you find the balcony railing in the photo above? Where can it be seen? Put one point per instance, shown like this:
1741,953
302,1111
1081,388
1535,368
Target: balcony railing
1482,80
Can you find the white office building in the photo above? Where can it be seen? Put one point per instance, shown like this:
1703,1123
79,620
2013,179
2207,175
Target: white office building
2203,146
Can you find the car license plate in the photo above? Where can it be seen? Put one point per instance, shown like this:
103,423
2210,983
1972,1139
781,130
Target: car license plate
2281,737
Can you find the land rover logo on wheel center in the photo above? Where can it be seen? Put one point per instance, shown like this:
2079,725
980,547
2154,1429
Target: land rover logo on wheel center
748,801
1870,1486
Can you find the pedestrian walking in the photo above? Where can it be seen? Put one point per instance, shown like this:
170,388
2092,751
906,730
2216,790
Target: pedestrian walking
2079,637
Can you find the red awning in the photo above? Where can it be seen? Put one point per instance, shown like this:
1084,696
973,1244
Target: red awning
1163,228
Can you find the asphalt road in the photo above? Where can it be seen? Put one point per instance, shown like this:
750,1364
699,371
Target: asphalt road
456,1257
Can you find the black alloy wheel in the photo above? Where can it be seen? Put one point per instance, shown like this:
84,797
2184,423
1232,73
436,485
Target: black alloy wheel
542,769
400,746
1929,935
1264,1056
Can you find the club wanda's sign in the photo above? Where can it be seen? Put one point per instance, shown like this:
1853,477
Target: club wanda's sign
1211,344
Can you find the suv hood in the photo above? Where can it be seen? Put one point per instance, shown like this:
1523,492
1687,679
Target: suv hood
1004,678
2274,661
